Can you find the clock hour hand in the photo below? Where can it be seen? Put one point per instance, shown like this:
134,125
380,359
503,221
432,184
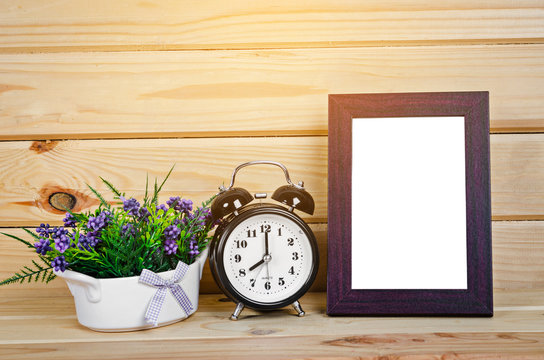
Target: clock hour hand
256,265
266,258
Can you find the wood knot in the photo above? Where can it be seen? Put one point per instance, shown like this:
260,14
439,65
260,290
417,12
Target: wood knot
43,146
361,340
62,201
56,199
262,332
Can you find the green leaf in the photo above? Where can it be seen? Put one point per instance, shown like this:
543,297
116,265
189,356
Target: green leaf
111,187
102,200
158,190
146,186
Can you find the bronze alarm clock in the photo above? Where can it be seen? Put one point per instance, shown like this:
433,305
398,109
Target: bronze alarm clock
263,255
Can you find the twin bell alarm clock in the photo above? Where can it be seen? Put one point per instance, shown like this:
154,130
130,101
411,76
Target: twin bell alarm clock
263,255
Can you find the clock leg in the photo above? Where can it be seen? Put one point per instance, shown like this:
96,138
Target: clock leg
298,309
237,311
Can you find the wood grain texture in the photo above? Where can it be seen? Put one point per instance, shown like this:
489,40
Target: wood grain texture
518,250
249,93
29,177
26,26
202,165
29,329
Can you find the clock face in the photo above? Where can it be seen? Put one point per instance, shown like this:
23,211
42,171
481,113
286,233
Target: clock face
268,258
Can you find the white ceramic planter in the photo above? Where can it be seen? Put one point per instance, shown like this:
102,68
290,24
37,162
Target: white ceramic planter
120,304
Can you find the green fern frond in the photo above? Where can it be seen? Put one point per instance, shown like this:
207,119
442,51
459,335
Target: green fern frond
27,273
50,277
97,194
22,240
111,187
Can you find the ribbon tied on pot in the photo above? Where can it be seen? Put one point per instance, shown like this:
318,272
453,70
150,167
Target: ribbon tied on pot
148,277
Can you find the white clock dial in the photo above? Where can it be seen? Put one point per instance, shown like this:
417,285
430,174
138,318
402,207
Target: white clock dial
272,276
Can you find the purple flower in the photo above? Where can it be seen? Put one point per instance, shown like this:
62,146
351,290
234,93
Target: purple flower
182,205
128,230
131,206
84,243
193,247
99,222
44,230
143,214
69,220
59,263
89,240
170,247
93,238
201,217
62,244
162,207
174,201
42,247
61,238
204,215
172,232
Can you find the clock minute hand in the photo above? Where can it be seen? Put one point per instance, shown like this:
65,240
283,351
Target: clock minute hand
256,265
266,243
265,253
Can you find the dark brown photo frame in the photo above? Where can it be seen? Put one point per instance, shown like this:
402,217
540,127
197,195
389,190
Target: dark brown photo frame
477,298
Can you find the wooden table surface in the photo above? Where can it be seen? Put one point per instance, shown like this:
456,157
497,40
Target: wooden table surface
47,328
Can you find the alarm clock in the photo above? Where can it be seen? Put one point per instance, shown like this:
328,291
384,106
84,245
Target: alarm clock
263,255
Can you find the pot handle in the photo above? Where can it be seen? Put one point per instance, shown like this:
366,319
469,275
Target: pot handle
90,284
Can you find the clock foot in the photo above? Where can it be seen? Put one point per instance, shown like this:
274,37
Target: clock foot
237,311
298,309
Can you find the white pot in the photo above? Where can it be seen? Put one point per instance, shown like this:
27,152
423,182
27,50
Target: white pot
119,304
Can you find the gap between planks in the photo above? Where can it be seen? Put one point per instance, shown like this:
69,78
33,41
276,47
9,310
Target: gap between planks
265,46
218,134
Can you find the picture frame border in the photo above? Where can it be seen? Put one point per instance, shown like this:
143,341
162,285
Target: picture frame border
477,299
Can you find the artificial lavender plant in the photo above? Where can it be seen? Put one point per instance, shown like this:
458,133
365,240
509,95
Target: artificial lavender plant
119,239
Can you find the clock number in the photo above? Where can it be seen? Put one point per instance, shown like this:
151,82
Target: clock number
265,228
267,285
281,282
279,231
251,233
295,256
252,282
292,270
290,242
241,244
242,272
237,258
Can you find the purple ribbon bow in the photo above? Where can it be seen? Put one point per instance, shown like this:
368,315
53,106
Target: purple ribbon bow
150,278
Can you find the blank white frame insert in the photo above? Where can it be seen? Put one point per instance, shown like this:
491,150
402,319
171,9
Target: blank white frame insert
408,203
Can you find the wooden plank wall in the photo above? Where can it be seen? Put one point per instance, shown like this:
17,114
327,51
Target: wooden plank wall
120,89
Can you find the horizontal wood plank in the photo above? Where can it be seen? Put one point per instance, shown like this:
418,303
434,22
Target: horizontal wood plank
30,26
518,250
249,93
29,327
33,171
